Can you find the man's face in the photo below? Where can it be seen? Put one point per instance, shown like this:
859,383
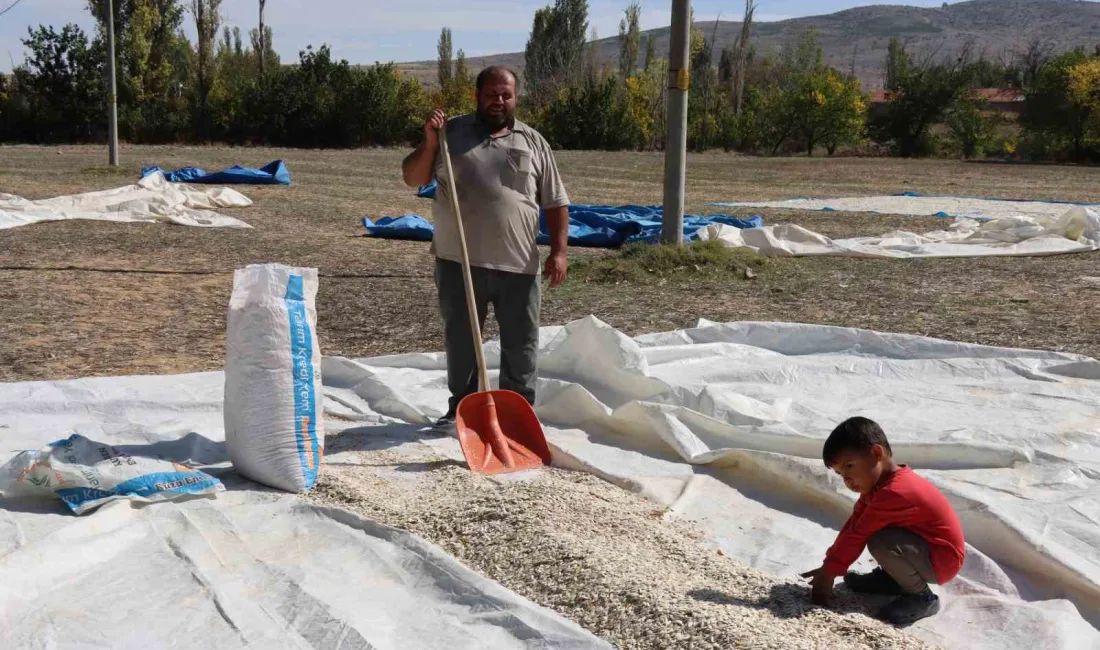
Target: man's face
861,470
496,101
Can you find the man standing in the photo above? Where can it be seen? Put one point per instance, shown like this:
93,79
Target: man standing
504,173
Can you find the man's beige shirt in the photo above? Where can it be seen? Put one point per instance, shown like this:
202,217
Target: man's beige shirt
502,182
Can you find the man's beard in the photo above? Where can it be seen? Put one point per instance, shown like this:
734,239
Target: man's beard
494,121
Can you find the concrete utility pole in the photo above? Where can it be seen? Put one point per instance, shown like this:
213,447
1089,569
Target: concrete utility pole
672,228
112,99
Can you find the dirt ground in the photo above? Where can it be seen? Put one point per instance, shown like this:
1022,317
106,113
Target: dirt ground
86,298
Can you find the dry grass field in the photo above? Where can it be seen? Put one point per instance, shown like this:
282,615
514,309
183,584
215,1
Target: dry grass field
84,298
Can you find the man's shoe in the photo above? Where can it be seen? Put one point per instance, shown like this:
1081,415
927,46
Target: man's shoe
876,582
445,423
910,608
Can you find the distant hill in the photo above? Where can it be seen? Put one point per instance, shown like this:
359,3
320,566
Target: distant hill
858,38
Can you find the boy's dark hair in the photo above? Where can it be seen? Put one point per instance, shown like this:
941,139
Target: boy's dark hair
854,434
492,72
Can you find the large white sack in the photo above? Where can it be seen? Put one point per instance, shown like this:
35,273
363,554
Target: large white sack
273,426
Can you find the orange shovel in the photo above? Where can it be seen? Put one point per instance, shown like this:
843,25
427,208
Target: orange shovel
497,429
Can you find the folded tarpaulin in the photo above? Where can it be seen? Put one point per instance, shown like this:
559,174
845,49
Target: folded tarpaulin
427,191
912,204
409,226
273,173
601,225
595,226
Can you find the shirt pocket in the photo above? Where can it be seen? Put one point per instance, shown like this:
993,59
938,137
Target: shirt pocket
520,171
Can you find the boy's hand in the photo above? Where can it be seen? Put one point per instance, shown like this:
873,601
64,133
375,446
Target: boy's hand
821,586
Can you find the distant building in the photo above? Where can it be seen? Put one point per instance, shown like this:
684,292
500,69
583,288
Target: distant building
1003,101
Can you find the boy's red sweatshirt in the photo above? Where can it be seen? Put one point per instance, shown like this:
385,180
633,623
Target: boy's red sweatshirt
903,500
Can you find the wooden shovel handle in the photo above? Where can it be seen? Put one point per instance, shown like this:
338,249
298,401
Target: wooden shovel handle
467,275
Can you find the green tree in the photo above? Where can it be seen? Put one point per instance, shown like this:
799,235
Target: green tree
460,94
264,49
61,83
988,73
897,65
555,49
696,37
630,40
446,66
237,72
702,125
726,67
919,98
650,51
149,45
1029,63
1051,116
790,103
846,109
315,107
828,109
804,100
972,132
590,115
207,21
643,120
261,41
737,63
1084,92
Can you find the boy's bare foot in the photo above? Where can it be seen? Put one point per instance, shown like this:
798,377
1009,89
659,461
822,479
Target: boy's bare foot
910,608
876,582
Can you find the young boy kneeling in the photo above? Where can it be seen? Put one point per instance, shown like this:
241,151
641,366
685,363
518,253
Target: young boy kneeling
905,522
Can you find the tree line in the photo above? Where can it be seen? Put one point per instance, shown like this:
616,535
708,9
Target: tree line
231,87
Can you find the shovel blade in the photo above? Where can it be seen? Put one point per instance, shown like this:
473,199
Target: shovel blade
499,433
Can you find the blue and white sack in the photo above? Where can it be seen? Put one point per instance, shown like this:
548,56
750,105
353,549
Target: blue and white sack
86,474
273,427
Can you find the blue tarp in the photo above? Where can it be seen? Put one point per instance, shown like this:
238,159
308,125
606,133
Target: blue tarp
602,226
427,191
409,226
595,226
273,173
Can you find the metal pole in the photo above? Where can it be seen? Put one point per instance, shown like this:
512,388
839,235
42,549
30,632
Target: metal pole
672,227
112,98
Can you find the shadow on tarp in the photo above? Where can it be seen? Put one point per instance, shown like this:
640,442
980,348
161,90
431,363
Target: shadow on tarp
767,489
35,506
193,449
791,601
197,451
378,437
775,494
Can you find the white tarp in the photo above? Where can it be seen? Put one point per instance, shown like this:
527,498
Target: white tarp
920,206
252,568
1076,230
723,423
152,199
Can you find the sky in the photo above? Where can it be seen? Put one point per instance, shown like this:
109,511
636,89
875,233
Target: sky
366,31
